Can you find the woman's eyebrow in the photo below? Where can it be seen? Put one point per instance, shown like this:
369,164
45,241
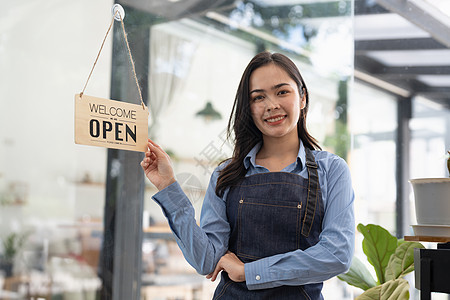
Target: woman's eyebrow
256,91
273,88
279,85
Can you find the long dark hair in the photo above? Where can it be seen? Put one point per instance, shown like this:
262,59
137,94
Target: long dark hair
246,134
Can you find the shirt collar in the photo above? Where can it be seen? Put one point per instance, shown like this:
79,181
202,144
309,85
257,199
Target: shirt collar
250,158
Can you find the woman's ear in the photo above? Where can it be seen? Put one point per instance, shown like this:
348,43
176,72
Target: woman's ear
303,100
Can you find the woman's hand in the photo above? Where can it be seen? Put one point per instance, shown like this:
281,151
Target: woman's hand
157,166
231,264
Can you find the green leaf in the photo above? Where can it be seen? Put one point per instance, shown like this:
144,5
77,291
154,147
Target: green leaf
401,241
402,261
358,275
378,245
397,289
13,243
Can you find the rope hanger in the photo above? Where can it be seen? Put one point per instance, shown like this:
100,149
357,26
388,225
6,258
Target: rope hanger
116,13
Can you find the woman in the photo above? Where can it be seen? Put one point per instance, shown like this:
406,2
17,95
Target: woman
277,218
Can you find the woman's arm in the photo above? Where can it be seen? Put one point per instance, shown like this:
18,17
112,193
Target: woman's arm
202,247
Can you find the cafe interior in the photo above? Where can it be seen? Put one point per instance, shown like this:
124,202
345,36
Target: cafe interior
79,222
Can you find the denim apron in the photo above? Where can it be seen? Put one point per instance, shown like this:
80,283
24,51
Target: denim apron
273,213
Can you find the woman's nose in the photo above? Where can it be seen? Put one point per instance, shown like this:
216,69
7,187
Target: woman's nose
271,104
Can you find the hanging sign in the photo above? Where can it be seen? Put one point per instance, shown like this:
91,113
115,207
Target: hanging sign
109,123
112,124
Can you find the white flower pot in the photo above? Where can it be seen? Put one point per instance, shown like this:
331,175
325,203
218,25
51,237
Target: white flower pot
432,200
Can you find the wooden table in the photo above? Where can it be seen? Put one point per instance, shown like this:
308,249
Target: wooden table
432,239
432,266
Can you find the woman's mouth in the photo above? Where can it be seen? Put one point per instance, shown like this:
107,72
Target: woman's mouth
275,119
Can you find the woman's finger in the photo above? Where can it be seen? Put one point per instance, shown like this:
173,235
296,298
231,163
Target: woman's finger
215,273
154,144
158,148
147,161
145,164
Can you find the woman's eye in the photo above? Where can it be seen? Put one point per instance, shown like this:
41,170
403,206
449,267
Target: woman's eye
283,92
258,98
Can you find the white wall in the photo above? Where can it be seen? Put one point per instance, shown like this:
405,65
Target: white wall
47,48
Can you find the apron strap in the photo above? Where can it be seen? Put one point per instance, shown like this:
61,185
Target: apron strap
313,192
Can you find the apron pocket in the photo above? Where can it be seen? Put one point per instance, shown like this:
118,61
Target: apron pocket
258,219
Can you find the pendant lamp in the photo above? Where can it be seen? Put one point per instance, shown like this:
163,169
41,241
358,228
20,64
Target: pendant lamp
209,113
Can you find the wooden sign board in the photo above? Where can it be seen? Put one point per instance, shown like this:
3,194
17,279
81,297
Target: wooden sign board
111,124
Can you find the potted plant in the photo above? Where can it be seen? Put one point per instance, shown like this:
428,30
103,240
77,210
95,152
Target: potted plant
391,259
432,203
12,245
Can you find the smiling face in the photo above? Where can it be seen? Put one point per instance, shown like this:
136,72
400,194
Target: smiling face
275,102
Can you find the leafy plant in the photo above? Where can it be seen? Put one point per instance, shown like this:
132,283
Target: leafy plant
391,259
12,244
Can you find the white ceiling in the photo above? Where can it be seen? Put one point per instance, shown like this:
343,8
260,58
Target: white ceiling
385,26
435,80
405,43
412,57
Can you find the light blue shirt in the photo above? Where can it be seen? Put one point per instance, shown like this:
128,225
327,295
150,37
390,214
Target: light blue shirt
203,246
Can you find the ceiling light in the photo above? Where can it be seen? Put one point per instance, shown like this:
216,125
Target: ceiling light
209,113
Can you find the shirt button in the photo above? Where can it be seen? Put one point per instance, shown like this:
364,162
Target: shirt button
258,277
